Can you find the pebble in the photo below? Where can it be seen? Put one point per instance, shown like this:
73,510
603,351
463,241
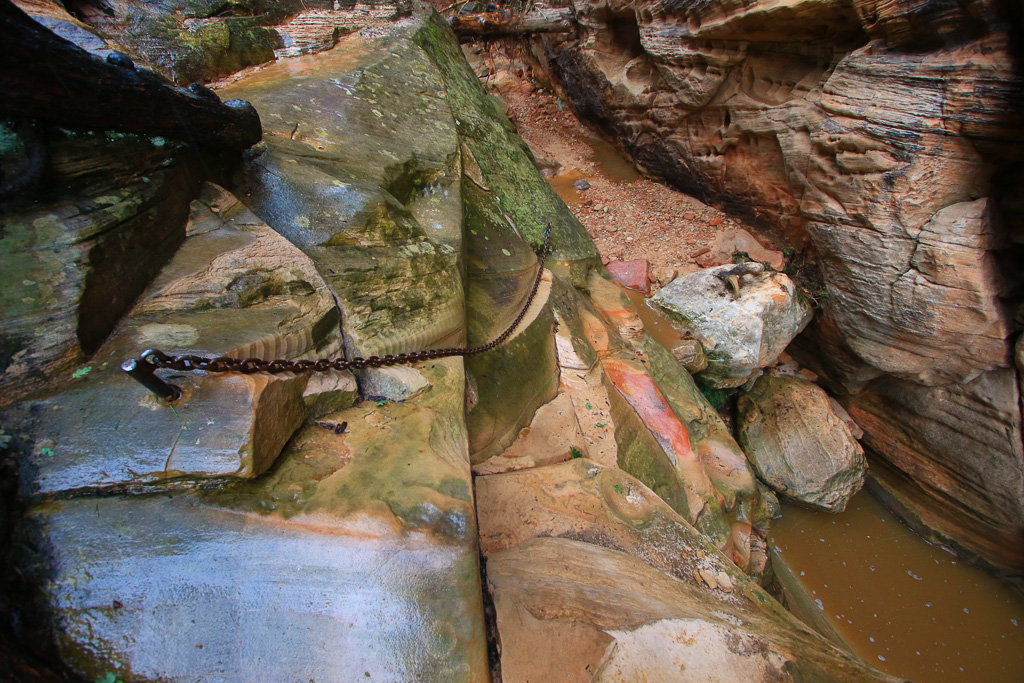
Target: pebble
581,185
700,252
689,216
716,221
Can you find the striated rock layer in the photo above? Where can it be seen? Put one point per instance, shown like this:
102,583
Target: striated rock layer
884,140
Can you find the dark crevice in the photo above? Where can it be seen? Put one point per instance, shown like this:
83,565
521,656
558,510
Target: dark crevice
28,652
490,625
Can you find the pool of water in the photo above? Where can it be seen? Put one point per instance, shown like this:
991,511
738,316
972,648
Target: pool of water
656,325
610,165
563,186
907,607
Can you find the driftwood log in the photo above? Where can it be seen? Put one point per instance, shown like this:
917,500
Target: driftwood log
555,20
46,77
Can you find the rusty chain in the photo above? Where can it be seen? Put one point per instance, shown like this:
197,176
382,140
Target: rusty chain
143,367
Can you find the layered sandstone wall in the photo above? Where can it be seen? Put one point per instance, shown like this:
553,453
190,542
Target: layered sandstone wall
883,139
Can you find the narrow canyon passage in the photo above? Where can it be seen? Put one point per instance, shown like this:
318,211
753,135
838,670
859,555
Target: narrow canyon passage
910,608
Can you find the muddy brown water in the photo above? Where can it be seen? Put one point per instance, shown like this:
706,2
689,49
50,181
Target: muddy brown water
610,164
656,325
907,607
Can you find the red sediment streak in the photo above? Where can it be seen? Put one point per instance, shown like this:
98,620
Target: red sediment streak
650,404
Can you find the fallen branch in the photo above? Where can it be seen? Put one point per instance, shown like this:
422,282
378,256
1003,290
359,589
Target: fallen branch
45,77
557,20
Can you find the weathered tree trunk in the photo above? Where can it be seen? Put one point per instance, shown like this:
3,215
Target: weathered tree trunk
46,77
504,23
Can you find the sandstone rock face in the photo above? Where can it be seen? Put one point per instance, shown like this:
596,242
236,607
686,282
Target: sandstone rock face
280,527
799,446
74,265
357,249
740,335
235,287
970,491
881,138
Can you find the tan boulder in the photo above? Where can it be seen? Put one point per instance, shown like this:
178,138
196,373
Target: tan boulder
797,443
744,321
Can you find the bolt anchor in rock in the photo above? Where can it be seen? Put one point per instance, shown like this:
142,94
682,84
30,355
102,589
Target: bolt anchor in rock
144,372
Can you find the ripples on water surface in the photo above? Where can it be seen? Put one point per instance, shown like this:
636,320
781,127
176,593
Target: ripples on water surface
909,608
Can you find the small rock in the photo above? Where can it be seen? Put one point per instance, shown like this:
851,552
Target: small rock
708,578
689,216
665,274
581,185
809,375
398,383
632,274
690,355
605,260
700,252
715,221
730,241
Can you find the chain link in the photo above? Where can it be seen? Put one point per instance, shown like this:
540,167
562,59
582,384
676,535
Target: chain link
154,358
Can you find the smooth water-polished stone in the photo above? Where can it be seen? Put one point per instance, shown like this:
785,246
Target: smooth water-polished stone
178,589
356,553
799,445
360,169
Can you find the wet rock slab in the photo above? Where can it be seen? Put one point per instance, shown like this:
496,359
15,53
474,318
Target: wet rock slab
174,589
234,288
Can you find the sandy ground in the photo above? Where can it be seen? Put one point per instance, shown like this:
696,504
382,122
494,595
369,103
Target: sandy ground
628,216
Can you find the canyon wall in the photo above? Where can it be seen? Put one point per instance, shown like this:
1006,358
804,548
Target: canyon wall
882,141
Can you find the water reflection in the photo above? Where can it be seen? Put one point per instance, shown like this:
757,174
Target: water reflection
609,164
656,325
907,607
